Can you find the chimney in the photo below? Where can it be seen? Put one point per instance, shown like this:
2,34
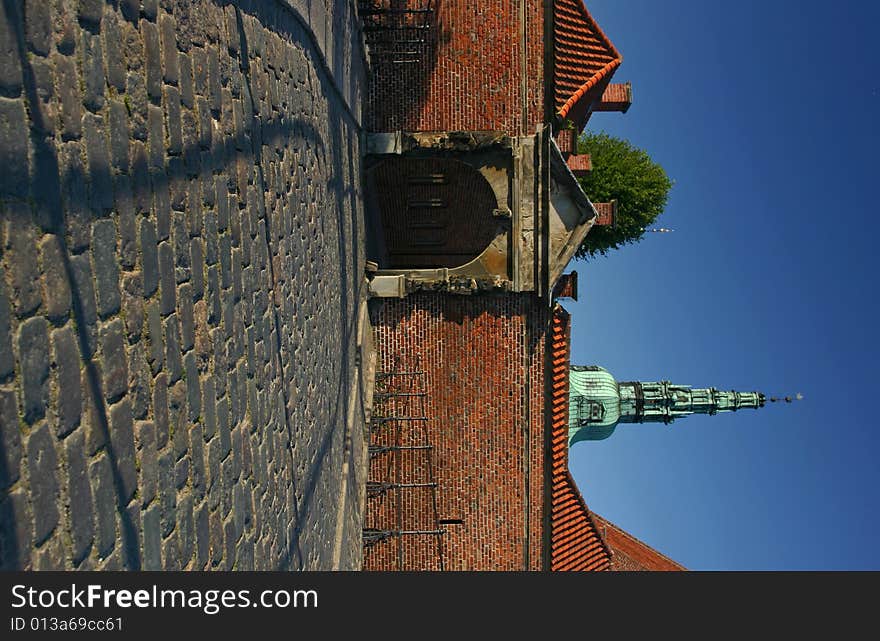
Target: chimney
580,165
617,97
566,140
607,213
567,286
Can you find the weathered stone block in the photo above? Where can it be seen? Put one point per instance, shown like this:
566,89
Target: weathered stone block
181,473
160,410
10,440
149,257
84,290
101,474
38,26
187,96
214,480
150,8
169,49
106,267
131,537
133,305
100,183
7,358
67,373
92,71
79,492
24,270
185,528
119,136
185,313
131,9
152,560
10,62
155,337
148,477
194,396
171,554
56,289
114,365
230,541
140,179
197,263
122,446
151,59
216,537
33,349
168,300
138,382
203,540
173,120
90,12
167,491
213,295
156,136
136,99
113,49
173,364
16,531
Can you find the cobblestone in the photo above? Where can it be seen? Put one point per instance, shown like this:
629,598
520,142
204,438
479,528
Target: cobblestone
33,349
178,290
80,498
66,359
10,456
101,476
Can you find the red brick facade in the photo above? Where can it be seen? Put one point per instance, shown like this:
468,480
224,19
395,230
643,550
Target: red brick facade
469,466
483,358
474,74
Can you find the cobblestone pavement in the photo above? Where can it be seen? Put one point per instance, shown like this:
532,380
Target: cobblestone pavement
181,232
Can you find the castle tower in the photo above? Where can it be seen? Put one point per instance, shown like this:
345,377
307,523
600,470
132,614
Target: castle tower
597,402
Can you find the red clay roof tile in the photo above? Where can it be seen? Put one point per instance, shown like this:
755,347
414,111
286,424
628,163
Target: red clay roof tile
585,60
575,544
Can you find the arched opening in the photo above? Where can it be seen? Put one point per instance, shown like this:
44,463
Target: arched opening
433,212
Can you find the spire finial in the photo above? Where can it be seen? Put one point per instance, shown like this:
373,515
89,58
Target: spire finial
786,399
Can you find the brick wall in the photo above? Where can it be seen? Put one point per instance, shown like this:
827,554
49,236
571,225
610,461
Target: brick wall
180,184
468,77
483,357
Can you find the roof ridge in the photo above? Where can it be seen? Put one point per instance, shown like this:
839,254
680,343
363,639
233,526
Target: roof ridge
571,520
635,539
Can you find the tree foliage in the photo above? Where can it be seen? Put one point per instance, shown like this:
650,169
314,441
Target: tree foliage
629,175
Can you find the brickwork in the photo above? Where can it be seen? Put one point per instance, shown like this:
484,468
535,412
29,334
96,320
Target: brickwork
474,75
484,362
180,191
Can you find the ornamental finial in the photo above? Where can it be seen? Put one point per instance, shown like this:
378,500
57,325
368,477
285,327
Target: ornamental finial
786,399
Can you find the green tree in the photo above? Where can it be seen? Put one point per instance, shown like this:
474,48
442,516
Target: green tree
629,175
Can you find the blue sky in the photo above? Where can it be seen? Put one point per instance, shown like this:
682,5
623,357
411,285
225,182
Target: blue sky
765,114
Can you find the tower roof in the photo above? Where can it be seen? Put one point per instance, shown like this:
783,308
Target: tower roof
598,403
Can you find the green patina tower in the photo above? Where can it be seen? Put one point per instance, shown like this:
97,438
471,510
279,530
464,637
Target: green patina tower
597,402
